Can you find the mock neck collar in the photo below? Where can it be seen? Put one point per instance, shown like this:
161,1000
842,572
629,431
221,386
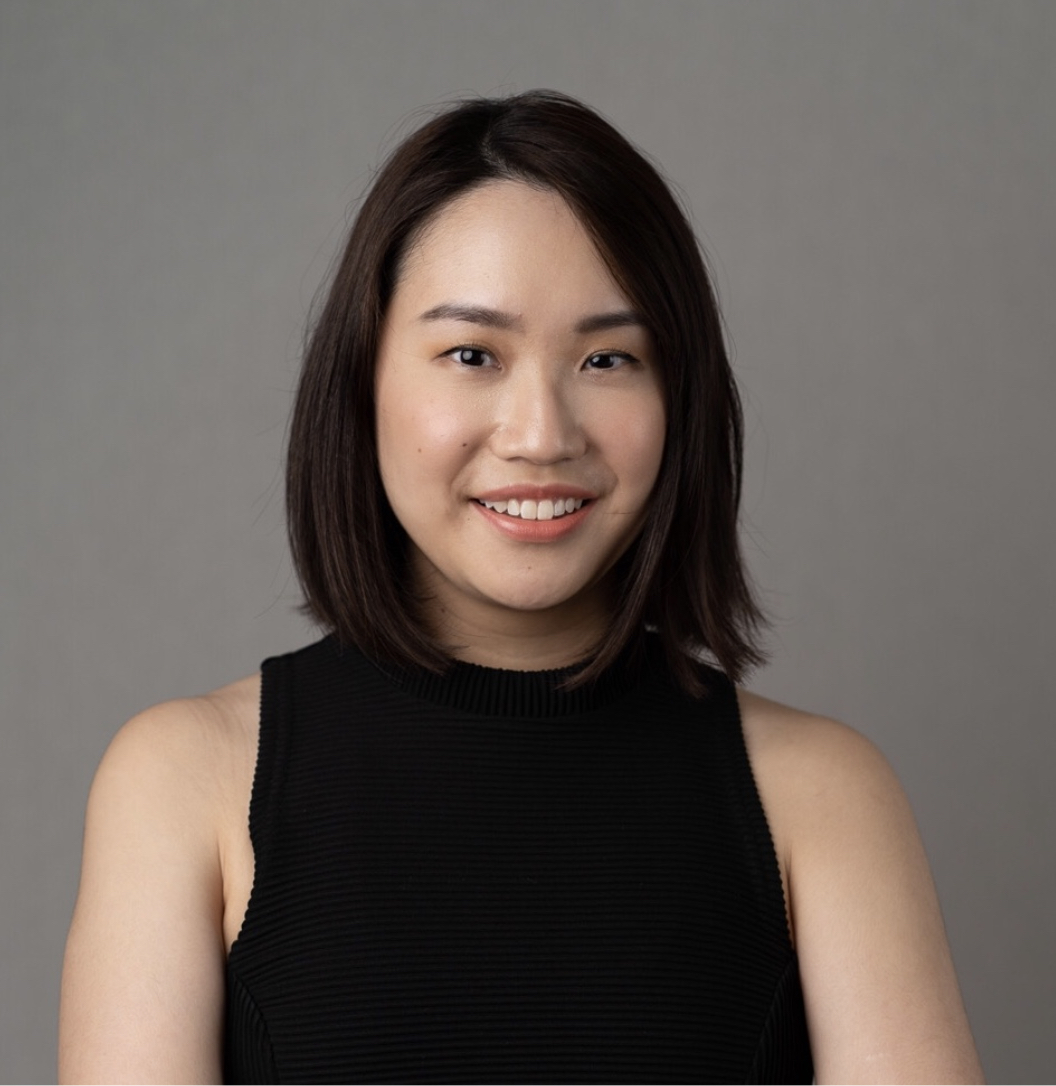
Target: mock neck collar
488,691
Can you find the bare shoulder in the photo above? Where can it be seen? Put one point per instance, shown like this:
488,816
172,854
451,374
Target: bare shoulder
142,994
186,749
774,730
882,999
819,780
811,768
188,729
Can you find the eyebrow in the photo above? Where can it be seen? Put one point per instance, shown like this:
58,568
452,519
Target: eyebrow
621,318
471,314
495,318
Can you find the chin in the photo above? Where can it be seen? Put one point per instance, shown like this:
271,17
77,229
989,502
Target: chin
531,601
536,598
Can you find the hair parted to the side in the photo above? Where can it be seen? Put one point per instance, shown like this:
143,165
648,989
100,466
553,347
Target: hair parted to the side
684,575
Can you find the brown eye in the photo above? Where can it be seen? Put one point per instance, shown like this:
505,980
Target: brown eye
470,356
608,360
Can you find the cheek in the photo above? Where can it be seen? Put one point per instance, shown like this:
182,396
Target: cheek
636,440
412,426
422,439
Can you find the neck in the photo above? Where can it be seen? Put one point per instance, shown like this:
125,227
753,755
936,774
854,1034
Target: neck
482,632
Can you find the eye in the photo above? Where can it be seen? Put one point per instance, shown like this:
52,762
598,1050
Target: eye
474,357
608,360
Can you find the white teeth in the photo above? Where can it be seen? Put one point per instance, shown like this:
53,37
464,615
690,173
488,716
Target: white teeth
532,510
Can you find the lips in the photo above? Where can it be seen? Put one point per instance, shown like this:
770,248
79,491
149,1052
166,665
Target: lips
534,492
529,502
536,514
530,509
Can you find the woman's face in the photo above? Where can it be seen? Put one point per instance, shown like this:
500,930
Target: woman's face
520,419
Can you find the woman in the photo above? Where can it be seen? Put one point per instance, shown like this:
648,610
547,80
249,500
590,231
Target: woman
504,823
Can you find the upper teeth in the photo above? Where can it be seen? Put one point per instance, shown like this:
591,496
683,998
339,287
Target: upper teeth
531,510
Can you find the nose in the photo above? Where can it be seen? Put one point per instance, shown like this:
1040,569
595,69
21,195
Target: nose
538,419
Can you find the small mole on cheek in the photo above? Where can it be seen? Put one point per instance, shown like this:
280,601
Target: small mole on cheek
464,444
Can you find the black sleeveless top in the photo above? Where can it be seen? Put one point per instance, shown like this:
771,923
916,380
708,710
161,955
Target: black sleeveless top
482,878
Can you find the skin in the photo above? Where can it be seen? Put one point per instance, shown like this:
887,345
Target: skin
168,865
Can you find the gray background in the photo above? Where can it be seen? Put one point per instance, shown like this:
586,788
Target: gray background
874,184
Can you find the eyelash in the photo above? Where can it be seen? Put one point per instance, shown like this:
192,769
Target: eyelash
620,356
455,353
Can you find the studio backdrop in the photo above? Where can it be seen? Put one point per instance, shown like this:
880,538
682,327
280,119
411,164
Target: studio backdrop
873,182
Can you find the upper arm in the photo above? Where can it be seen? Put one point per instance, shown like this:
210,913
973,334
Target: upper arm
882,999
142,991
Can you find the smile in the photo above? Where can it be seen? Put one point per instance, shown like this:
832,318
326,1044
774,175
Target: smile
535,510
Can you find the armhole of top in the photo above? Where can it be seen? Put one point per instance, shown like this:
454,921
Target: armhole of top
783,1053
757,825
276,698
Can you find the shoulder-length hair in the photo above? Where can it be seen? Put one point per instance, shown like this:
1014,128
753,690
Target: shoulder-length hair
684,575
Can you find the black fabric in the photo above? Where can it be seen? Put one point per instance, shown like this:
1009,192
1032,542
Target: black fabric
484,878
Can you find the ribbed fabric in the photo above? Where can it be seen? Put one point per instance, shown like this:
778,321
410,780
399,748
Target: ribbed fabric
485,878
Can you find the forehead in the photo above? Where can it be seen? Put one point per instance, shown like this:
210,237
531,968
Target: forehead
507,242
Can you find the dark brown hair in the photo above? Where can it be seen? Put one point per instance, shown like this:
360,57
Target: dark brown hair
684,574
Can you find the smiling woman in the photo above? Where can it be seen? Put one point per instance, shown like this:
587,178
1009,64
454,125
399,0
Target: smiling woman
510,820
537,390
592,195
